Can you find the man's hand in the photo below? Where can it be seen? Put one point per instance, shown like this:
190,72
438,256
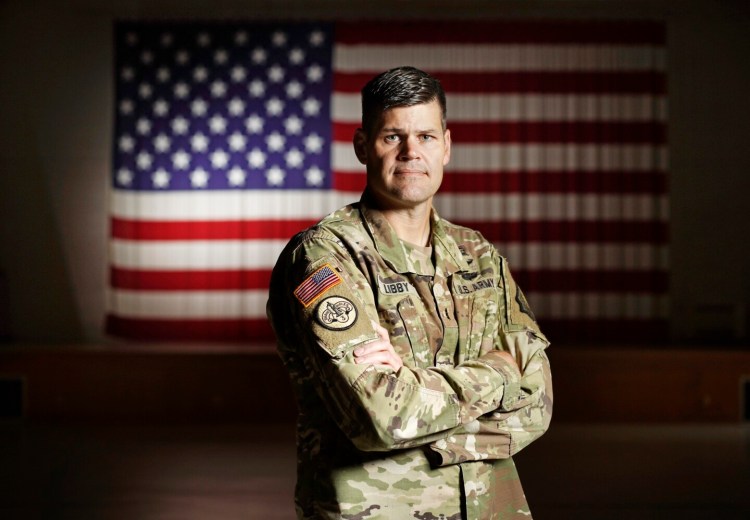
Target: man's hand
379,351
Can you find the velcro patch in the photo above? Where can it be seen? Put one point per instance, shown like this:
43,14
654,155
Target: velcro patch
315,285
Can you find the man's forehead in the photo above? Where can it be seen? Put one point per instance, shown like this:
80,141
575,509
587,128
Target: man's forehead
425,116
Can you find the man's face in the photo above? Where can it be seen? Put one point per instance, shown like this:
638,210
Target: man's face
405,152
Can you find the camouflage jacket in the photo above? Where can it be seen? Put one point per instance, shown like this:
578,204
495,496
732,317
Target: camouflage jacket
433,440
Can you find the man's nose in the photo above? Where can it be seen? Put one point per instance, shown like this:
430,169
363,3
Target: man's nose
409,150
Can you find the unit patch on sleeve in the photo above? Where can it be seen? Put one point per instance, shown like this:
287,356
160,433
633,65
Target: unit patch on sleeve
336,313
316,285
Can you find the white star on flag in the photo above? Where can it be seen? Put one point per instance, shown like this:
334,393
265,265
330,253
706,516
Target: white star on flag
219,159
199,142
275,142
237,142
236,176
314,73
276,74
199,178
254,124
124,176
314,143
160,178
126,143
162,143
275,176
181,160
143,160
257,88
143,126
218,89
180,125
259,56
181,90
311,107
161,108
200,74
274,106
293,125
314,176
294,158
236,107
217,124
199,107
294,89
256,158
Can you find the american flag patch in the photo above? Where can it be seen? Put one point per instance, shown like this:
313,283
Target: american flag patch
316,284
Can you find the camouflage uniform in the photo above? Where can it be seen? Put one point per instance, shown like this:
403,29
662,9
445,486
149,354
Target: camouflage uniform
433,440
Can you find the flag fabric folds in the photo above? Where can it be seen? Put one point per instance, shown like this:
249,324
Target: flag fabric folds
231,137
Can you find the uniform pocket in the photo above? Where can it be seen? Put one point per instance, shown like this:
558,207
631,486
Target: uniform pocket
412,335
477,323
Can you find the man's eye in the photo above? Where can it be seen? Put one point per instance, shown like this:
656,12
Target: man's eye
427,137
391,138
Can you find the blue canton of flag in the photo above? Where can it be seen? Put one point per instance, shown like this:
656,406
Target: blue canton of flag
222,107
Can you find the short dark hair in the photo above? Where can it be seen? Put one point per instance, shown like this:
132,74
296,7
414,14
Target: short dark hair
399,87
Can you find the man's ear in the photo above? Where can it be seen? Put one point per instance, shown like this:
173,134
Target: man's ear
360,145
447,156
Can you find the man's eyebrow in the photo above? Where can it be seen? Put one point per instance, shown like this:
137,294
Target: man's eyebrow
397,130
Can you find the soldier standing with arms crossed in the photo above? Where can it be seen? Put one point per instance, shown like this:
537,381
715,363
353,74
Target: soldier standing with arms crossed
418,366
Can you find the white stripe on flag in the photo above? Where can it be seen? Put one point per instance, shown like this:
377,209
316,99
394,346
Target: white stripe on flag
555,207
346,108
215,206
252,304
195,254
498,157
598,305
495,58
189,304
262,254
226,205
577,256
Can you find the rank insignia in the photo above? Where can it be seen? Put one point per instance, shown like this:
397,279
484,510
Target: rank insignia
336,313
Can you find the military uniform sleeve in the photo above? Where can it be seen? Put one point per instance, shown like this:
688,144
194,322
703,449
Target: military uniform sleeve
331,311
504,432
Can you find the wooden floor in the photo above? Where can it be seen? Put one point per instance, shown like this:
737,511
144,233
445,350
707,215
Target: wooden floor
241,471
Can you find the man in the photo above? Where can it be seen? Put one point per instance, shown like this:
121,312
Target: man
418,367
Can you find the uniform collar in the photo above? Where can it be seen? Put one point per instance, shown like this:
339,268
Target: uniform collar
392,248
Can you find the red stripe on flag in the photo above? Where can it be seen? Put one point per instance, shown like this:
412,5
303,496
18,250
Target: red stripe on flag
196,280
541,132
592,281
516,31
575,330
506,231
207,229
572,231
579,83
529,182
576,182
538,281
186,329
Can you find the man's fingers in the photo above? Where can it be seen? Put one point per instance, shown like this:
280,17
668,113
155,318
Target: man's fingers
382,332
380,359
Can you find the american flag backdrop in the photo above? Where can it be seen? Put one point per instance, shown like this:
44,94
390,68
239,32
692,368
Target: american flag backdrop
230,137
